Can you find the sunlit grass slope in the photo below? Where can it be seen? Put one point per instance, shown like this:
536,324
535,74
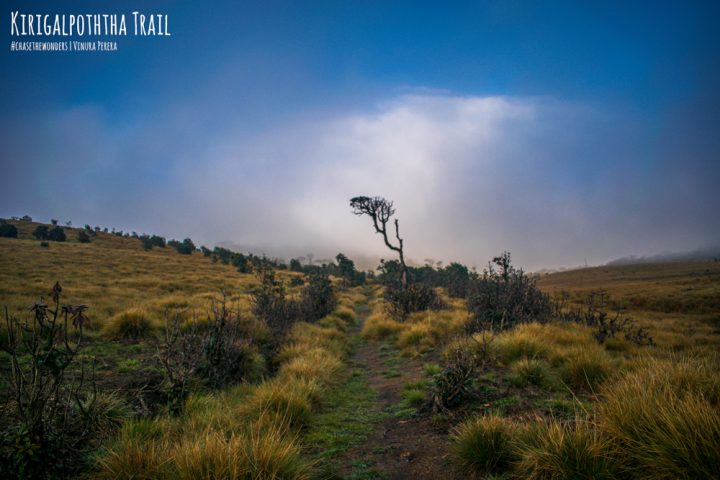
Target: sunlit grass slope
112,274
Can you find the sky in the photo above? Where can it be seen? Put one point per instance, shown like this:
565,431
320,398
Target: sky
564,132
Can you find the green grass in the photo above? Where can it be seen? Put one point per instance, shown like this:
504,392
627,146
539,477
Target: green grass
348,416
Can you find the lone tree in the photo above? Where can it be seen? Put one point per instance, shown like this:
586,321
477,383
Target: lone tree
380,210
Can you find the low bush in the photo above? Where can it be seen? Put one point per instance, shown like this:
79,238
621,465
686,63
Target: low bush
416,297
501,299
83,237
8,230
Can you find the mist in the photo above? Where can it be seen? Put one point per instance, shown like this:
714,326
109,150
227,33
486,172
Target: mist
558,183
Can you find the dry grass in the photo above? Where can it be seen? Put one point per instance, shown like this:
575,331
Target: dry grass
485,445
665,417
245,432
555,450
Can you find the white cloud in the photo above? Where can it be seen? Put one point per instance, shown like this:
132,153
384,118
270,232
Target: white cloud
554,182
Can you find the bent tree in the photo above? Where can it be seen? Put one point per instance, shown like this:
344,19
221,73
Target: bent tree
380,210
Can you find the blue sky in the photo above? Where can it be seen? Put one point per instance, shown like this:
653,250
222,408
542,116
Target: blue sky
561,131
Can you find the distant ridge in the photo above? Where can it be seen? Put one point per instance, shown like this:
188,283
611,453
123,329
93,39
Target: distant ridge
701,254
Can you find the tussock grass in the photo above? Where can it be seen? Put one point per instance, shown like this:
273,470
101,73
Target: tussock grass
485,445
530,371
665,416
584,368
316,364
554,450
131,324
379,327
535,351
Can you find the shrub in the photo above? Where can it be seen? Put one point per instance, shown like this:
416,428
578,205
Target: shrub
499,300
41,232
318,297
484,445
271,306
47,416
8,230
131,324
606,327
453,383
560,451
227,355
56,234
401,302
186,247
83,237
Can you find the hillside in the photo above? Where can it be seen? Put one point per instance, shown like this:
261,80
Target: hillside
357,392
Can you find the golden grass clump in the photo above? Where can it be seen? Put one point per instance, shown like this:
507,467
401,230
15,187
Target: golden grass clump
524,341
665,417
530,371
584,367
378,327
131,324
286,400
345,313
316,364
554,450
485,445
131,460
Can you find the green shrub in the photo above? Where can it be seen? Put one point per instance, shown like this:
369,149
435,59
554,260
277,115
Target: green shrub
83,237
57,234
8,230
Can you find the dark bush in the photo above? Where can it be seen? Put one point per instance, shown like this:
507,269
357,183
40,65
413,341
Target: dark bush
41,232
604,326
456,279
186,247
416,297
228,356
83,237
46,418
271,306
501,299
56,234
318,297
8,230
295,265
453,383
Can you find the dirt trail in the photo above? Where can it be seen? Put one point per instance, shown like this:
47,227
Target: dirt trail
399,448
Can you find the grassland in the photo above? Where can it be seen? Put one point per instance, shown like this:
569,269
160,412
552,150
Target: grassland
350,395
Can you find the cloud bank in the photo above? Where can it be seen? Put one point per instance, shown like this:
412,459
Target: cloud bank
555,182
